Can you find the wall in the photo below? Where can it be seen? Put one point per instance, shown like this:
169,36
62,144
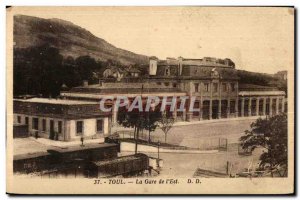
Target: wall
20,131
68,127
41,133
89,129
49,161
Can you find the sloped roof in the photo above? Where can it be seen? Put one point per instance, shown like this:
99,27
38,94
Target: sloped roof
206,72
133,70
55,101
252,87
120,90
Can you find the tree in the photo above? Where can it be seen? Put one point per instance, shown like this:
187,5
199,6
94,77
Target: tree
166,123
151,121
37,71
85,66
138,121
271,134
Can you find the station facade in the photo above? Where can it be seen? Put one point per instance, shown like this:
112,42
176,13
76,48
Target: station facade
213,82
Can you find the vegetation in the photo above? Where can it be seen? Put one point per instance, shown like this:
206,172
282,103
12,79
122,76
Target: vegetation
166,123
255,78
43,70
70,39
271,134
139,121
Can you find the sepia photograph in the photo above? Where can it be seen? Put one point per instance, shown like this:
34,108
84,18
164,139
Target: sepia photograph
150,100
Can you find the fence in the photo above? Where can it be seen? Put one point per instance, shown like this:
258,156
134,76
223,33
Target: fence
220,144
216,143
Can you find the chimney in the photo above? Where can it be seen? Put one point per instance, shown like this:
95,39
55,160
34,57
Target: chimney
180,59
152,66
85,83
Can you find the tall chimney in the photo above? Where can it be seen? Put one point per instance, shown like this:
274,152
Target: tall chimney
152,66
180,59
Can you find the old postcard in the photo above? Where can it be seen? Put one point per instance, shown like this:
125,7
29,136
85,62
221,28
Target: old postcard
150,100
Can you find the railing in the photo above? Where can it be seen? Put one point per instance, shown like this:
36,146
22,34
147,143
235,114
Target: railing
220,144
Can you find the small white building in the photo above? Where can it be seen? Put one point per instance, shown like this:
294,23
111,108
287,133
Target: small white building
64,120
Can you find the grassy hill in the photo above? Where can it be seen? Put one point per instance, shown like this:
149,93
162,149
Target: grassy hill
70,39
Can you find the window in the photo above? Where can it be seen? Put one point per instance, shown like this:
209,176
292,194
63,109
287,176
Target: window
167,72
224,87
232,85
167,84
26,120
174,85
215,87
44,125
206,87
99,125
158,83
196,87
79,127
35,123
59,126
19,119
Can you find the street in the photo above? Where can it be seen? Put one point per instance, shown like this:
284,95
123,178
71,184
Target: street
196,134
184,165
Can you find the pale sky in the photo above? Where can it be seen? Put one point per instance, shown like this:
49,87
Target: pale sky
256,39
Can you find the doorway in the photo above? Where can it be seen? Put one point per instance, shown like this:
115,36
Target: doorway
51,136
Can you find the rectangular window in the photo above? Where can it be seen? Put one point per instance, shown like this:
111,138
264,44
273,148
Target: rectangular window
224,87
59,127
35,123
26,120
44,125
196,87
206,87
79,127
99,125
232,85
215,87
19,119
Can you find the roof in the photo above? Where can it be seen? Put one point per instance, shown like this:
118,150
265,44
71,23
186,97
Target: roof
119,159
115,69
70,116
80,148
98,96
98,90
62,150
252,87
133,70
262,93
206,72
30,155
59,108
55,101
206,61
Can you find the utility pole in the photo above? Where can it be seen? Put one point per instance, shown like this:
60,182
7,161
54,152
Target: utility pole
158,145
138,123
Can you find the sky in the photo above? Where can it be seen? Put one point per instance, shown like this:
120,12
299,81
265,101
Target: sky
256,39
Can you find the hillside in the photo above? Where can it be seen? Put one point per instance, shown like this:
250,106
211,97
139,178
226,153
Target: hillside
70,39
42,65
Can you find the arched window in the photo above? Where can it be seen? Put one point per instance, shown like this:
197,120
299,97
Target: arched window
167,72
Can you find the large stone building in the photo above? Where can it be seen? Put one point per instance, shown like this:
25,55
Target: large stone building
214,83
60,119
